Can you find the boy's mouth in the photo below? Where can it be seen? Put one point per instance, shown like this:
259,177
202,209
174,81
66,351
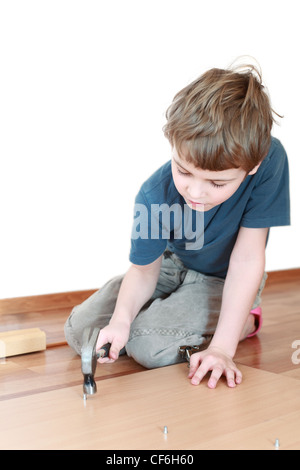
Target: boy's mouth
200,206
196,203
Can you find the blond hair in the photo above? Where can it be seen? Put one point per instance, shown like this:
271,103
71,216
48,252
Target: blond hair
222,120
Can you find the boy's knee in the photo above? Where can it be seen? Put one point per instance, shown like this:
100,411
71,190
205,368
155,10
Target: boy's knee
159,348
150,353
95,311
72,335
75,325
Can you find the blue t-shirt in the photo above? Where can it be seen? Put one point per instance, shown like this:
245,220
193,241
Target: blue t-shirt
163,219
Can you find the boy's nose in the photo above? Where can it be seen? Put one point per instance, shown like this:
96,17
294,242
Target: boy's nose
197,192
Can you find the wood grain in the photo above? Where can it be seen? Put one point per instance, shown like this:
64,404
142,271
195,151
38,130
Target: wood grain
41,393
43,302
130,412
53,369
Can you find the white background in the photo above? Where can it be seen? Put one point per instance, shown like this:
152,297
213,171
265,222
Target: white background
84,86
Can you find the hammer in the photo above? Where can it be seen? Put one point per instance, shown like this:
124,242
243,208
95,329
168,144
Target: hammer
89,359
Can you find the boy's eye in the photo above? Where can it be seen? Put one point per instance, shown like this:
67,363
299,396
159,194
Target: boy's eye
182,172
215,185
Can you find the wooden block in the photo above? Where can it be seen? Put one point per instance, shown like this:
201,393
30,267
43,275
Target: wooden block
15,342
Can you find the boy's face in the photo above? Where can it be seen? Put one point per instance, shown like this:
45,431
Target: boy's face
203,189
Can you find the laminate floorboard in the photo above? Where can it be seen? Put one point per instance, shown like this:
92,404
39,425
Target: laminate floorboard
132,411
42,376
58,367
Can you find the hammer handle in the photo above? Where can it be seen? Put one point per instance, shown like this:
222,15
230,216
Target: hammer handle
103,352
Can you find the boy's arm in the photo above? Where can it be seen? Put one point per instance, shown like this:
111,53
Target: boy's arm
136,289
245,272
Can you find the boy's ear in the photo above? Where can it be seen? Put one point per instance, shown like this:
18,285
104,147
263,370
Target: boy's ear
252,172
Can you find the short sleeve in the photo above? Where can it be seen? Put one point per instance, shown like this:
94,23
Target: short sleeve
144,248
269,203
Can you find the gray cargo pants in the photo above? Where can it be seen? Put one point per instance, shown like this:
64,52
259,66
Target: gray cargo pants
183,310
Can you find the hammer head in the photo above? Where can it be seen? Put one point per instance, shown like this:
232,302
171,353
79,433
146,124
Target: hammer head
89,359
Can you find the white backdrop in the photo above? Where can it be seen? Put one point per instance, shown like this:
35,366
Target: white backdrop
84,86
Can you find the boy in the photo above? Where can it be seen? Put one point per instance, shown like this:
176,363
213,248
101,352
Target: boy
226,185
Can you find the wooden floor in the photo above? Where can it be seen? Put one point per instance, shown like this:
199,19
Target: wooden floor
47,385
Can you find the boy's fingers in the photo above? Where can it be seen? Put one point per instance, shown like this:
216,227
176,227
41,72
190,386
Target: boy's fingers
102,340
195,359
215,376
115,349
230,376
198,375
114,353
192,370
197,372
238,377
233,376
104,360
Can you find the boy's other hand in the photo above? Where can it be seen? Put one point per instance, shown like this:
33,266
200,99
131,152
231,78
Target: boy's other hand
217,361
117,334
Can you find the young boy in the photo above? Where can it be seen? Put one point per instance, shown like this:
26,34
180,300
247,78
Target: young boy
226,184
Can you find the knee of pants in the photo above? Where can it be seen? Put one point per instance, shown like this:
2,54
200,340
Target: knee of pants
72,336
153,351
74,327
95,311
159,349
